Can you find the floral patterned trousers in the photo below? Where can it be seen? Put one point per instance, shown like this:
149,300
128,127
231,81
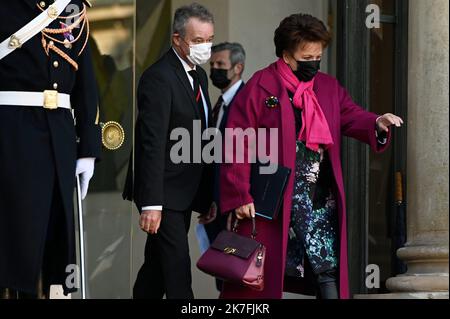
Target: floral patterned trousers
313,226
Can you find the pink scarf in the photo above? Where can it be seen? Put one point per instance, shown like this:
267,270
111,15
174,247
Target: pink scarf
315,130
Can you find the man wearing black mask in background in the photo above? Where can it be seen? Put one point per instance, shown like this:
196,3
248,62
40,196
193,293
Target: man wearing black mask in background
227,66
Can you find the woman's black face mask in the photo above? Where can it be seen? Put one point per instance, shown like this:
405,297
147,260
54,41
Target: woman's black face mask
307,70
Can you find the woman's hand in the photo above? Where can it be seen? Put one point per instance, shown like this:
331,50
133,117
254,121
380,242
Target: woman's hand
246,211
388,119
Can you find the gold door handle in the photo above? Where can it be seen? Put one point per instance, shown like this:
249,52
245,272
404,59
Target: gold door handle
113,135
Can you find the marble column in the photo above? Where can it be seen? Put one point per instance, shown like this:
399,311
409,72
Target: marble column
426,250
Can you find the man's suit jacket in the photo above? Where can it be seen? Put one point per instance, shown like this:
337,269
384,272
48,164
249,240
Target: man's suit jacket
166,102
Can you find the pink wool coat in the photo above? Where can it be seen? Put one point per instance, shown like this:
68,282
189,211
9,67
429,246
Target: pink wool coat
249,110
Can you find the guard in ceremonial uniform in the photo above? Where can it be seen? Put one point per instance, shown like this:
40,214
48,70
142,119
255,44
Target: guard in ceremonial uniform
49,132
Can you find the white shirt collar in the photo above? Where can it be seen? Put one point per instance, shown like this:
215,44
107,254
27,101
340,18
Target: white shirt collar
231,92
186,66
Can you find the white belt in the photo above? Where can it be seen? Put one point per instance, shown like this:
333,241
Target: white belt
49,99
32,28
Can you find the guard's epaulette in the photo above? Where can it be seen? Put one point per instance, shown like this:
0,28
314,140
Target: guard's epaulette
88,3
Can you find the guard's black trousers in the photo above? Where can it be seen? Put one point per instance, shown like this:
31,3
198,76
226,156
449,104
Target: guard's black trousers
53,264
167,266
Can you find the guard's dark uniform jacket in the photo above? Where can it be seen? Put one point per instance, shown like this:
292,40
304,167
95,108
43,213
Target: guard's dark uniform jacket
39,149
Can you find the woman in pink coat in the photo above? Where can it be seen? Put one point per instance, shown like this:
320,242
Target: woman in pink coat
307,243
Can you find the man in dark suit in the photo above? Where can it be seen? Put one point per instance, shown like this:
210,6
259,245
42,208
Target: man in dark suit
227,66
48,101
172,96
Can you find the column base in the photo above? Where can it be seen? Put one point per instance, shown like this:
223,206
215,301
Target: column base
427,270
418,283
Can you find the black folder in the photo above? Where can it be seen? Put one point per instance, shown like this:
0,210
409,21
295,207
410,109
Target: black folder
268,190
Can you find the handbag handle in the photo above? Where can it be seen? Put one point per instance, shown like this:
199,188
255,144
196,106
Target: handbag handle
236,223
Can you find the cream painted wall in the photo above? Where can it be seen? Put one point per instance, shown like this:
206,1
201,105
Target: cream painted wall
253,22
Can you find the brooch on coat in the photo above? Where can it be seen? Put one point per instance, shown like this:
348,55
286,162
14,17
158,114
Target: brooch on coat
272,102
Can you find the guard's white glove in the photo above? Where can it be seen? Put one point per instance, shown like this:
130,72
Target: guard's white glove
85,169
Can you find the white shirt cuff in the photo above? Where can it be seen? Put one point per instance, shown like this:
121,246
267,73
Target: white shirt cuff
159,207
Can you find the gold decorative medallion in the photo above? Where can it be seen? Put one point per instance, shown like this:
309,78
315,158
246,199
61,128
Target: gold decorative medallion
14,42
52,12
113,135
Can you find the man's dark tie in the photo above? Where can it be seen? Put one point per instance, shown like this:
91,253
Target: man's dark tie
216,111
198,97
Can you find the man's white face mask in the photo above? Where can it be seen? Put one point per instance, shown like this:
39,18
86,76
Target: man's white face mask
199,53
